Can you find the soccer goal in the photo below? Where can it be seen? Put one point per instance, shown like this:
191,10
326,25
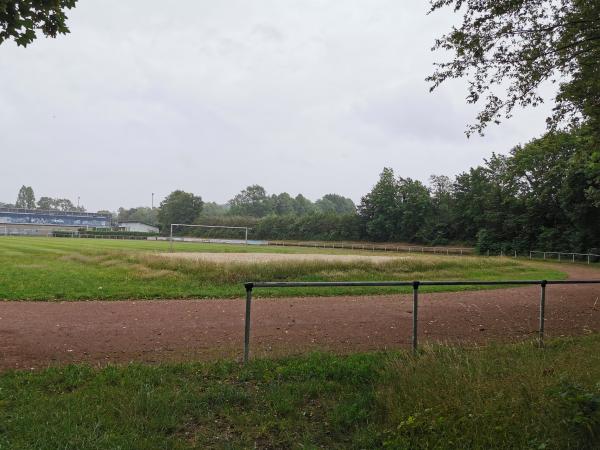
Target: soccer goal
245,239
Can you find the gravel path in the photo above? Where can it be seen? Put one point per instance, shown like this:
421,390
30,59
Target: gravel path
38,334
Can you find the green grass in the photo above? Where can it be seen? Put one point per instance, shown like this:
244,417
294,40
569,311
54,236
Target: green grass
502,397
79,269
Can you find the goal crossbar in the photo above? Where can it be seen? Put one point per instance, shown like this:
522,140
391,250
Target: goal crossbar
207,226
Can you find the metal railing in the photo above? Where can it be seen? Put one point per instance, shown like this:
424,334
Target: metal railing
569,256
250,286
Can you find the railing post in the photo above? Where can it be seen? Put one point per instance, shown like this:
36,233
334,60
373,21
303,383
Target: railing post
171,240
249,287
415,312
542,311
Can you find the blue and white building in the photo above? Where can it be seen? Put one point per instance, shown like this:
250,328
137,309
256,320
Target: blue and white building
44,222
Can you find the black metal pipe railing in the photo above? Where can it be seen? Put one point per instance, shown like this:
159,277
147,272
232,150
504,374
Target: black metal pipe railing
250,286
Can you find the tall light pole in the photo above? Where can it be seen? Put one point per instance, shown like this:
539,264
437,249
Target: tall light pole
153,200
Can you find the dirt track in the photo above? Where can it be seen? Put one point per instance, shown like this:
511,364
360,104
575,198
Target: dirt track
36,334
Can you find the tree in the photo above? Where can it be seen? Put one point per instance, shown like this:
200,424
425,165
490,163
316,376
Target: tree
379,208
213,209
20,20
106,212
25,198
46,203
179,207
334,203
141,214
517,45
439,224
302,205
415,205
58,204
283,204
252,201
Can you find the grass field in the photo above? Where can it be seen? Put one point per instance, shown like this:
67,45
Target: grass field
76,269
501,397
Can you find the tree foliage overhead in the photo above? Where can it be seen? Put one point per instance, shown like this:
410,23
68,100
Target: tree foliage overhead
22,19
514,46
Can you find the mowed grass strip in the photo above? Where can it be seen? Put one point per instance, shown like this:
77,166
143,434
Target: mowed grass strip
501,397
79,269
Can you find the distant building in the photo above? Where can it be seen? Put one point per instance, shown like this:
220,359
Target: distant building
44,222
138,227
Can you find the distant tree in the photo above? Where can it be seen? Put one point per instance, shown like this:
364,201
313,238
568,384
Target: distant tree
302,205
46,203
25,198
212,209
64,204
108,213
252,201
439,225
334,203
516,45
141,214
379,209
282,204
415,206
58,204
20,20
179,207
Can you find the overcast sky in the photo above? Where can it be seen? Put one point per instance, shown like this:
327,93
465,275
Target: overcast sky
300,96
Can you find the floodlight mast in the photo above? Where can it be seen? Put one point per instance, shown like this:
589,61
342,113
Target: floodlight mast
206,226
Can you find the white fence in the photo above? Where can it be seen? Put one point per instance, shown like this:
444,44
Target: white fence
566,256
375,247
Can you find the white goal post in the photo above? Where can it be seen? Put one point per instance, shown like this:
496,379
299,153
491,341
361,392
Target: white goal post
206,226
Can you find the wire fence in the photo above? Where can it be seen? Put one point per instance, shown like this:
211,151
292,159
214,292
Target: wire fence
250,286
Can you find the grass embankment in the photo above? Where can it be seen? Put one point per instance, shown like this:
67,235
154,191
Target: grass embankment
512,396
73,269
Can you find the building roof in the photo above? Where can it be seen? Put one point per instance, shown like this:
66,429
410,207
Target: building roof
54,212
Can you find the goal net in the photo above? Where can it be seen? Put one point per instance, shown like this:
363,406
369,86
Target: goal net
209,233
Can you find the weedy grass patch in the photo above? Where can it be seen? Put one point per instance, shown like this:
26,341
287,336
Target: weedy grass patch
79,269
501,396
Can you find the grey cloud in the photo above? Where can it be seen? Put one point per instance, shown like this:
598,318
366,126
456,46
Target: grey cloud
303,96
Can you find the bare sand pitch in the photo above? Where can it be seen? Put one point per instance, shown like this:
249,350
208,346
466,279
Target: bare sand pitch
276,257
38,334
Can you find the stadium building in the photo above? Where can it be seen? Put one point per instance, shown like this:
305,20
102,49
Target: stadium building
39,222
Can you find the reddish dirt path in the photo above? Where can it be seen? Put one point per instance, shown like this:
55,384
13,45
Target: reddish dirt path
36,334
